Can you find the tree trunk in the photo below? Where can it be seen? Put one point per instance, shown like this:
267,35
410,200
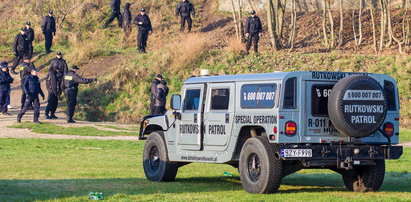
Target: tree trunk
272,24
237,30
325,24
341,32
240,20
293,25
331,24
390,32
374,35
383,25
360,22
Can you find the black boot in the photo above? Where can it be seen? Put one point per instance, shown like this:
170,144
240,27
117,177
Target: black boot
53,116
19,119
37,122
71,121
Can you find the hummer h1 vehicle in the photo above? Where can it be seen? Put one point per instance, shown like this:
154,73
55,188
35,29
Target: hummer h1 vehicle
274,124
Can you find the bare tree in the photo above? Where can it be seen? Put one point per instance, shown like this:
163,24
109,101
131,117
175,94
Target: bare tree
240,20
358,39
271,22
292,25
329,36
383,22
374,35
234,13
341,31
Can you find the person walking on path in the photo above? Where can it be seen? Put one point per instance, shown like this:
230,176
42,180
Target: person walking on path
25,71
115,13
5,81
32,89
144,29
49,30
20,48
59,65
53,89
30,38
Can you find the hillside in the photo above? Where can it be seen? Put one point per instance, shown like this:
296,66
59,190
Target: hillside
124,75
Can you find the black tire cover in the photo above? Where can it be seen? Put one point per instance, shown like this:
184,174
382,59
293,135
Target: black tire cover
357,106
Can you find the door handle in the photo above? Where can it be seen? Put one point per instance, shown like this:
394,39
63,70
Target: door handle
227,118
195,118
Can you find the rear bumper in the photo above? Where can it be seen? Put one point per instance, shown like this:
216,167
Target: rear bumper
343,156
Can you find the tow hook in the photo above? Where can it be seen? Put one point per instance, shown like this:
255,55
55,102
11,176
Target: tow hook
347,163
372,152
325,152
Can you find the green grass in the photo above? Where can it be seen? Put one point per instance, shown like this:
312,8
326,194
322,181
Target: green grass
405,135
49,128
39,169
131,128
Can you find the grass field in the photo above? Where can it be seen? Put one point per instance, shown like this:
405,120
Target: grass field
60,170
49,128
405,135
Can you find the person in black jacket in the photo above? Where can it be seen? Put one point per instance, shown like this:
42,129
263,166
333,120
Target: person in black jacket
32,88
144,29
154,92
127,28
30,37
184,10
20,48
59,65
70,86
5,81
49,29
53,89
25,70
161,98
253,31
115,13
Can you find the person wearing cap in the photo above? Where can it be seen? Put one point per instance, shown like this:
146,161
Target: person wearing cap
161,99
30,37
184,9
115,13
70,86
154,92
253,31
59,65
53,89
126,15
20,48
5,81
143,23
49,29
32,88
25,70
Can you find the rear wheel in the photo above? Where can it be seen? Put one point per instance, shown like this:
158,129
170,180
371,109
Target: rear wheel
365,178
156,165
260,172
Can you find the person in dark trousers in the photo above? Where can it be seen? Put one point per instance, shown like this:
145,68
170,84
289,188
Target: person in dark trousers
25,71
115,13
5,81
184,10
127,28
144,29
30,37
70,86
161,99
49,30
154,91
53,89
20,48
32,88
59,65
253,31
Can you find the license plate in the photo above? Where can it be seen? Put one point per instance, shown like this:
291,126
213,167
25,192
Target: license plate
296,153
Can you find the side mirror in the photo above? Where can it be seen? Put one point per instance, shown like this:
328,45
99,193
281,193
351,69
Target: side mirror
175,103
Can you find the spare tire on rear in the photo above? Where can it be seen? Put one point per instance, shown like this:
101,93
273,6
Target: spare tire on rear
357,106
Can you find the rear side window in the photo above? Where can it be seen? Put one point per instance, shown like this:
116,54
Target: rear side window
319,99
389,89
220,99
258,96
192,99
290,94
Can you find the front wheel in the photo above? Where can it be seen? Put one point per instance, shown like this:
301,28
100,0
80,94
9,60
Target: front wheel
260,172
365,178
156,165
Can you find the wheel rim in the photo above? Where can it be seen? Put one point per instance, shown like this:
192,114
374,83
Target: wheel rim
254,167
154,158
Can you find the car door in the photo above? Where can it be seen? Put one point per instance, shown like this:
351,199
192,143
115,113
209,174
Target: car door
218,116
189,127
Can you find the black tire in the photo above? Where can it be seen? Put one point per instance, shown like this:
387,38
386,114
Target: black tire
365,178
347,106
260,171
156,165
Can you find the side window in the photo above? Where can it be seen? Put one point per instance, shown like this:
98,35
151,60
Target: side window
390,94
258,96
290,94
220,99
192,100
319,99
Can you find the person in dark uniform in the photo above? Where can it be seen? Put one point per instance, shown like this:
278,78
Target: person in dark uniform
127,28
144,29
25,70
32,88
53,89
253,31
49,29
20,48
161,99
5,81
115,13
59,65
154,92
70,86
184,10
30,37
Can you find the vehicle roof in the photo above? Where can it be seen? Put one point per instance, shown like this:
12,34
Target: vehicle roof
240,77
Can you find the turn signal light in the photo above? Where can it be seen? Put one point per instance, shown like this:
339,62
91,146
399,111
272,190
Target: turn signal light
275,130
389,129
290,128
